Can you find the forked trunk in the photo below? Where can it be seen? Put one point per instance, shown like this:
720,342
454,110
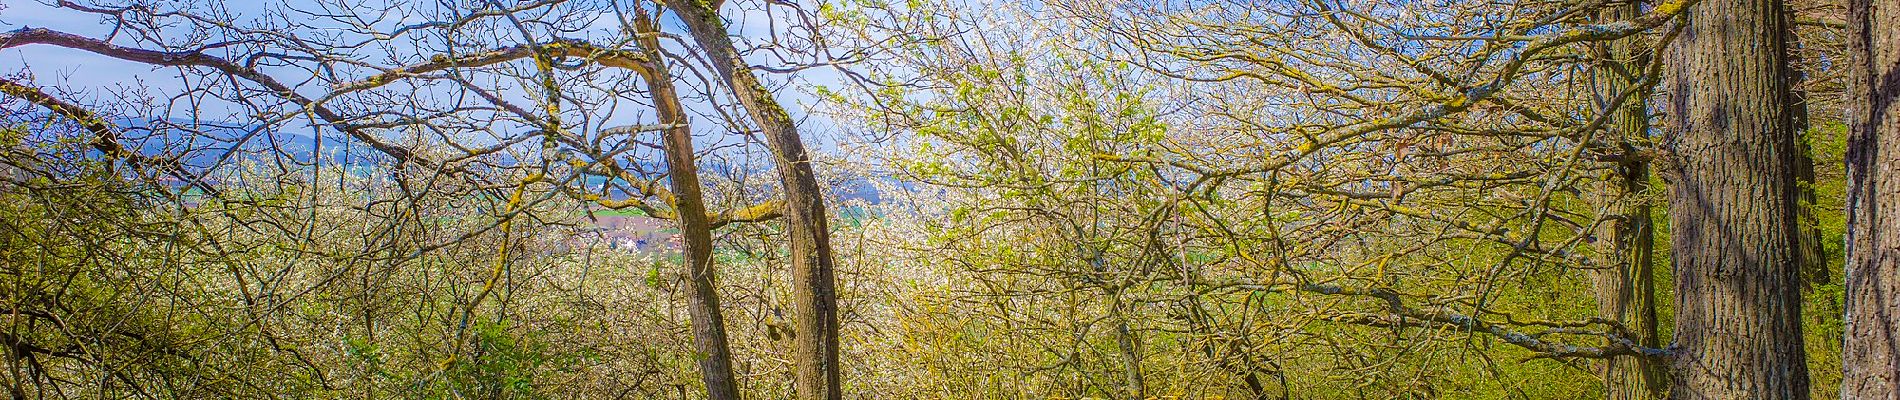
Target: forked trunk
815,304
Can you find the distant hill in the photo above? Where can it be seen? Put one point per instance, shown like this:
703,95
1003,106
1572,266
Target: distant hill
203,145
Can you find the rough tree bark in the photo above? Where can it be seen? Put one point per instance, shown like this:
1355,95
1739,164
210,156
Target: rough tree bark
1733,207
815,309
709,327
1626,286
1871,353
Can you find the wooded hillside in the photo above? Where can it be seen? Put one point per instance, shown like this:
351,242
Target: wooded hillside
871,199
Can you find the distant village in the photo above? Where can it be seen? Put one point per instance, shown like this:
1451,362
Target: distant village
635,234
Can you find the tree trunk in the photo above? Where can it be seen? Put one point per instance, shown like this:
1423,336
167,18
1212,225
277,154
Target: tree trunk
1128,346
815,310
1810,242
709,327
1733,207
1626,286
1871,353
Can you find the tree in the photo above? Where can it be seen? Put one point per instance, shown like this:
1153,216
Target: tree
526,81
1870,355
815,289
1625,280
1223,164
1733,206
709,325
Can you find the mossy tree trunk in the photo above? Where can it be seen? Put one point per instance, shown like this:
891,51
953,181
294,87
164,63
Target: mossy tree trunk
815,303
1625,285
689,205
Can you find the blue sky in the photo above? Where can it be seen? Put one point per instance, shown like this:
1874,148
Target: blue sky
71,68
95,77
